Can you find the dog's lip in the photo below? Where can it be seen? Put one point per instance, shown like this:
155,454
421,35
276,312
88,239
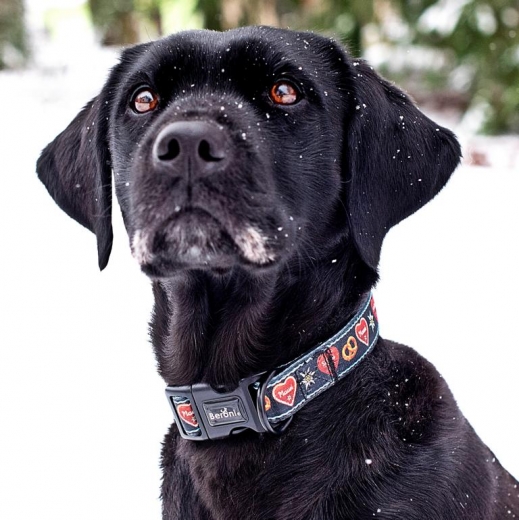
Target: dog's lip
211,244
192,212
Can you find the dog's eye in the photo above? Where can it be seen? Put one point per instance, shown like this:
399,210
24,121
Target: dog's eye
284,93
144,100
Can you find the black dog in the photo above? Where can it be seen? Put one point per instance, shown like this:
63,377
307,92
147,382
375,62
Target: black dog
258,171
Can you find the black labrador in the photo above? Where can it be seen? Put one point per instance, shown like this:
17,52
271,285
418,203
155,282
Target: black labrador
258,171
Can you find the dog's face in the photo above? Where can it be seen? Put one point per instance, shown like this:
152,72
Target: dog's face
251,147
216,144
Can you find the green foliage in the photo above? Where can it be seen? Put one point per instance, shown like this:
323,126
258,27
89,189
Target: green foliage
469,49
212,13
115,20
13,39
121,22
473,45
481,40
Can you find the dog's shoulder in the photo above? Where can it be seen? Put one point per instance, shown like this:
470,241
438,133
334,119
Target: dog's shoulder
415,395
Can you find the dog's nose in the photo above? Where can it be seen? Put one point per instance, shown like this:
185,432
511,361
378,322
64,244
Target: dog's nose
196,144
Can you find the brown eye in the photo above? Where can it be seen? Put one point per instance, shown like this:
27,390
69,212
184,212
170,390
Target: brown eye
144,101
284,93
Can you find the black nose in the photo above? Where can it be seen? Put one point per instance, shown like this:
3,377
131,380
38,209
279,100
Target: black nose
198,145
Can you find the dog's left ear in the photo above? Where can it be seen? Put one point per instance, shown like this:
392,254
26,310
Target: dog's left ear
76,170
397,159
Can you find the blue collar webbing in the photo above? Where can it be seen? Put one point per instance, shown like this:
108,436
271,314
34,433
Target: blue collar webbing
266,403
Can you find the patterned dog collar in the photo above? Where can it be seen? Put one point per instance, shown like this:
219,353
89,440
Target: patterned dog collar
267,402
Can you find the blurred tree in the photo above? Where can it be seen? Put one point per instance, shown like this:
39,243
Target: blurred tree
13,38
115,20
344,18
212,13
466,51
226,14
151,10
121,22
480,39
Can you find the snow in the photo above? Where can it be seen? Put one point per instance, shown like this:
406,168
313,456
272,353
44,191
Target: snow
82,408
442,16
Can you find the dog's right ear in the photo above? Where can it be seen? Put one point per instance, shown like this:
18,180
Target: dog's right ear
76,170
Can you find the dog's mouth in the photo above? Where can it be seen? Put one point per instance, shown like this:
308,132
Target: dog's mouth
194,239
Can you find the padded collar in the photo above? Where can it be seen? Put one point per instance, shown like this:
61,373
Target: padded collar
267,402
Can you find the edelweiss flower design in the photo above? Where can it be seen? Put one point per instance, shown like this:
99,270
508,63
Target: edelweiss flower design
371,321
307,378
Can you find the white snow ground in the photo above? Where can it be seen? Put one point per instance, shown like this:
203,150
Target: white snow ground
82,409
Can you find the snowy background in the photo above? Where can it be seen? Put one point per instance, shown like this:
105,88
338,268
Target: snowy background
82,409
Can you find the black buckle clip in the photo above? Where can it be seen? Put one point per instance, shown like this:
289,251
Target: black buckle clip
203,413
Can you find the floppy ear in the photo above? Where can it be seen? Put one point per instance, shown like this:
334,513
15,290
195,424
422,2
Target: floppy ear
76,170
397,158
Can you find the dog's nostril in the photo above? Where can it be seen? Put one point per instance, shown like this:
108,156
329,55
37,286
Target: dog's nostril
208,155
172,152
198,145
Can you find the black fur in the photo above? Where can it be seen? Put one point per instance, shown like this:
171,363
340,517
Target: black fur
268,254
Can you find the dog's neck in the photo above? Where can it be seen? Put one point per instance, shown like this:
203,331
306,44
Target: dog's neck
218,329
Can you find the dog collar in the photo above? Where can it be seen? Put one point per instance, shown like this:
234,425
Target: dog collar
266,402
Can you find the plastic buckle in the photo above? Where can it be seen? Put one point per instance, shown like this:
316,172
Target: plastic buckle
203,413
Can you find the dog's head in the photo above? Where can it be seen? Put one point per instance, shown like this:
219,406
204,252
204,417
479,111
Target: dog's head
249,147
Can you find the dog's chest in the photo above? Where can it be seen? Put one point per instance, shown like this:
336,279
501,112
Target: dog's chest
227,477
277,478
256,479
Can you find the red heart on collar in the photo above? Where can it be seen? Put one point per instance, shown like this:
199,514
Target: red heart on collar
373,308
187,415
285,392
322,360
362,331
